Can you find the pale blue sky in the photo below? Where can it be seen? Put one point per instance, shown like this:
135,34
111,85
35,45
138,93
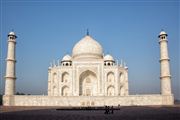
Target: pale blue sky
128,30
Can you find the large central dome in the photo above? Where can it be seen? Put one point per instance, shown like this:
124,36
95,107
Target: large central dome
87,47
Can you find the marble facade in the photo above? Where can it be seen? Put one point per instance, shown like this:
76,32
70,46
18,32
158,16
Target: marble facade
88,78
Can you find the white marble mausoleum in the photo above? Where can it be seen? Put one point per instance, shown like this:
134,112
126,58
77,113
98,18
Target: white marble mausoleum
88,77
88,72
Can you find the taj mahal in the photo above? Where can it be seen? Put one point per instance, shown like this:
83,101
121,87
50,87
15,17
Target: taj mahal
88,77
88,73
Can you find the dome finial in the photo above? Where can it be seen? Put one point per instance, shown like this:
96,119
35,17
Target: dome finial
87,32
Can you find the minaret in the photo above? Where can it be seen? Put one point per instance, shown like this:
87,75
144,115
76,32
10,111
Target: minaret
10,65
165,76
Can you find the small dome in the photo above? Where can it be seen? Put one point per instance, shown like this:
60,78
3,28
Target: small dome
66,58
11,33
162,33
108,58
87,47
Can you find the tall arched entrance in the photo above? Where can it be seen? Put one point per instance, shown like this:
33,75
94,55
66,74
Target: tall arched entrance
88,84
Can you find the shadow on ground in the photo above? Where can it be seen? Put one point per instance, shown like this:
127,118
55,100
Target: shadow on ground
125,113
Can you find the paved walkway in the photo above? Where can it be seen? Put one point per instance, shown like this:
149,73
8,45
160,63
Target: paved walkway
125,113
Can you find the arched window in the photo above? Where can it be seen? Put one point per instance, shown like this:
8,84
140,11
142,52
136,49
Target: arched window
121,77
65,77
121,83
54,80
110,77
110,91
54,90
65,91
87,83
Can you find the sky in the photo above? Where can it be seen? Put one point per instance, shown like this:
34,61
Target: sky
126,29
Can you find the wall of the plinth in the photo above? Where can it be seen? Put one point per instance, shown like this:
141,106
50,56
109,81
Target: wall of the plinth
28,100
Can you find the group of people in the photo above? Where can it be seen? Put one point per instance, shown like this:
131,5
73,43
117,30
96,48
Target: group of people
109,110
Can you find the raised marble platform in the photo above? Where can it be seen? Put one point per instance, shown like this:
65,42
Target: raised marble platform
131,100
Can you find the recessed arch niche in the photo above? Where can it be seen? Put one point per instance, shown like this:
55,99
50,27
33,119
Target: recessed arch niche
87,83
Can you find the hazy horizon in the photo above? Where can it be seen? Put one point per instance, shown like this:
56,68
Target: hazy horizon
48,30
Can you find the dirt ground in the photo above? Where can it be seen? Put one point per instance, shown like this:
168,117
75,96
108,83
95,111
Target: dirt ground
124,113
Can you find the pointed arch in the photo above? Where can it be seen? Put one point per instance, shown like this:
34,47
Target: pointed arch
110,77
110,90
87,83
55,90
121,83
121,77
65,77
54,79
65,91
